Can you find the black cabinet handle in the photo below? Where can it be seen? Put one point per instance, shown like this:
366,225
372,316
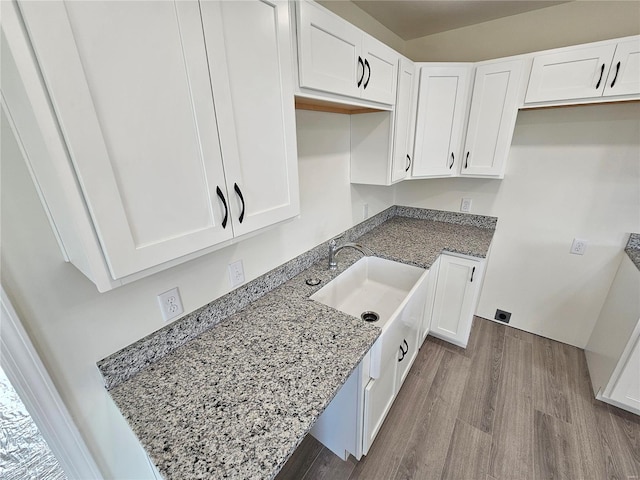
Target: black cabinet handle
226,210
473,271
366,63
466,161
360,62
237,189
408,164
615,77
404,352
453,159
600,79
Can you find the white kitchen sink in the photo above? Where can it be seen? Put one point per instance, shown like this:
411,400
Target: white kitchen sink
371,284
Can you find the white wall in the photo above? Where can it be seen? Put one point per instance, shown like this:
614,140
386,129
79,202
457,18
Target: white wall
571,172
353,14
73,326
561,25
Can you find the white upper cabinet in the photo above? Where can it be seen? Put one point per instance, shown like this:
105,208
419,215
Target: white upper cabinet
381,141
624,74
259,147
492,118
338,58
584,72
443,98
178,119
137,139
402,129
380,71
329,56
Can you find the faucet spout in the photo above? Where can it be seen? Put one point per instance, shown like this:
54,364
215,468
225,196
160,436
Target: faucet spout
334,249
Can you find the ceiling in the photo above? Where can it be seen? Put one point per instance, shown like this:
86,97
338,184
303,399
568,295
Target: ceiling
411,19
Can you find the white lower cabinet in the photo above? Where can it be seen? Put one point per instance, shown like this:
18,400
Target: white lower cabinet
171,154
456,295
613,350
354,417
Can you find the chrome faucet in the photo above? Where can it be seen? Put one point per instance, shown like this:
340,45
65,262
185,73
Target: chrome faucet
334,249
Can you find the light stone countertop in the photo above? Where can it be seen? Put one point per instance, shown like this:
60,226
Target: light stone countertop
633,249
236,401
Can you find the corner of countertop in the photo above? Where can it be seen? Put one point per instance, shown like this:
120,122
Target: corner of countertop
633,248
466,219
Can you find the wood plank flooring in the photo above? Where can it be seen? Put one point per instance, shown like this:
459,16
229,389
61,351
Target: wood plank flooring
511,406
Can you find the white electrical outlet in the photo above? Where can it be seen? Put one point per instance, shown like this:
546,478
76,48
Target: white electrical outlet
365,211
236,273
465,205
170,304
579,246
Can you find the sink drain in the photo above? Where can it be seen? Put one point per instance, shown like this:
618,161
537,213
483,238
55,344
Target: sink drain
370,316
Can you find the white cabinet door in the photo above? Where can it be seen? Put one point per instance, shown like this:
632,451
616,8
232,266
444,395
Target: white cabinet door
442,107
627,386
378,398
624,74
401,147
456,294
329,52
492,119
381,69
411,318
137,113
259,146
575,73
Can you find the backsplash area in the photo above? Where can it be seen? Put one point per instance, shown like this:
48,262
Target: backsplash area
127,362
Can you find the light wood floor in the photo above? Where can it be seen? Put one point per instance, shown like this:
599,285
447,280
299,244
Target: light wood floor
511,406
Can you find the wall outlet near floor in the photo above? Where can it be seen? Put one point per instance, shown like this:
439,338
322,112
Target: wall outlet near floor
579,246
365,211
502,316
465,205
236,273
170,304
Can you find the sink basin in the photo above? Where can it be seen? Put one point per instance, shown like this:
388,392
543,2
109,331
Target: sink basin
370,284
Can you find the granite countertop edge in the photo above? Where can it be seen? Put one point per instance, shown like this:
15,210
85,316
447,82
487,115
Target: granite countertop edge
633,249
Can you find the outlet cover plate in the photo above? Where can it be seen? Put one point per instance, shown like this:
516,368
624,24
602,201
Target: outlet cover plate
170,304
236,273
465,205
579,246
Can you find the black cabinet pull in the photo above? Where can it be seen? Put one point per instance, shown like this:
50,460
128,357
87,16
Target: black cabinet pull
226,210
466,161
360,62
237,189
615,77
453,159
366,63
404,352
473,271
600,79
408,164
